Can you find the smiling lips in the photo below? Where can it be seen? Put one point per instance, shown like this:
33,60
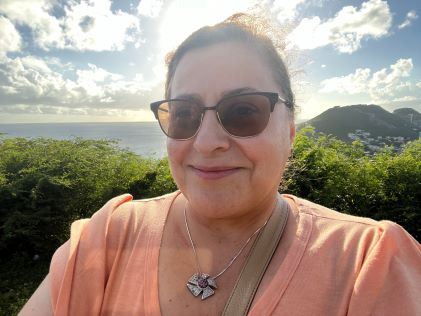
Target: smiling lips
213,173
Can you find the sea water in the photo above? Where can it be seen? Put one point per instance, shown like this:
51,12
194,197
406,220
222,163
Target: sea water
143,138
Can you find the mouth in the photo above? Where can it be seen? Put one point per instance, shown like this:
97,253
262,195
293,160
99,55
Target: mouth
214,173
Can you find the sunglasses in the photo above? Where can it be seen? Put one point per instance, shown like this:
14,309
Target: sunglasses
242,115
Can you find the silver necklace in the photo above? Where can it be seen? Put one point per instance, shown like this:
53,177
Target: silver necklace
202,283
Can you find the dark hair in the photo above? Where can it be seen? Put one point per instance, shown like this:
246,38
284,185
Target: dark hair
241,27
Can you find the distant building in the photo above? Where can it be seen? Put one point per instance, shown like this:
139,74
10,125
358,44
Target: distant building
373,145
353,136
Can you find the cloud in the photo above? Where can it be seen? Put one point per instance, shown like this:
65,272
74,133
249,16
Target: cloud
404,99
31,81
286,10
352,84
346,30
418,84
10,40
92,79
93,26
380,86
45,28
410,16
150,8
37,109
83,25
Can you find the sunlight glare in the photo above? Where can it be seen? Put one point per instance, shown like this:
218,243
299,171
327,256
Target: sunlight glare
183,17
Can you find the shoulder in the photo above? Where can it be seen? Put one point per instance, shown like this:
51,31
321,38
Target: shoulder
110,223
321,212
139,213
329,226
94,242
145,205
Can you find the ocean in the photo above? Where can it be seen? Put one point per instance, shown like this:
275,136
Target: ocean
143,138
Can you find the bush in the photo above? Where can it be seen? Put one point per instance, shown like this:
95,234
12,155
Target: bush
46,184
340,176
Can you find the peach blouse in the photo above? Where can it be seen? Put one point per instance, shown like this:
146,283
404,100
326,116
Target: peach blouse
337,264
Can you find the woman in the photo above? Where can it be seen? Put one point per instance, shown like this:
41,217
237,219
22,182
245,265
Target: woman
230,129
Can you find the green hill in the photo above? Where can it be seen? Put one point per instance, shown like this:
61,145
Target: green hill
411,116
339,121
405,112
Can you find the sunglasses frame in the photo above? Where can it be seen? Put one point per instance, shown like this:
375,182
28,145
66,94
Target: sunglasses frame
273,98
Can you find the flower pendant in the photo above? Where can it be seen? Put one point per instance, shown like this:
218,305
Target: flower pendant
202,283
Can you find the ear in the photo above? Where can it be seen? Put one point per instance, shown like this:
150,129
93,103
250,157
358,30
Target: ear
291,132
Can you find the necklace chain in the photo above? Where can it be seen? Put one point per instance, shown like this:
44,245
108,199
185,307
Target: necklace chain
199,270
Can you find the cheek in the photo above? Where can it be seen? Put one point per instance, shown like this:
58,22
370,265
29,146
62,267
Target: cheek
271,153
176,151
283,132
269,156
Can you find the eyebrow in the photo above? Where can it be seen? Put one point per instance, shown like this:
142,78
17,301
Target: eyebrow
238,91
229,93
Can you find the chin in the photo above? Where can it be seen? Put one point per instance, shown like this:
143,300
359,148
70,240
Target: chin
216,196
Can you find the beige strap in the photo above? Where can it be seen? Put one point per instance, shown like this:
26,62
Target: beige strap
258,260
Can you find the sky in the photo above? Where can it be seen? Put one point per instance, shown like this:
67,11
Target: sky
103,60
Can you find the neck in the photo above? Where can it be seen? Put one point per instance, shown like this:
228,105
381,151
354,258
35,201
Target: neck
235,228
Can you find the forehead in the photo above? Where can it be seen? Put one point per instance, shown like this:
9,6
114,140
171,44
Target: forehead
213,70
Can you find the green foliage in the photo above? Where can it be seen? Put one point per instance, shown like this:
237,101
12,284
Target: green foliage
46,184
157,181
340,176
18,280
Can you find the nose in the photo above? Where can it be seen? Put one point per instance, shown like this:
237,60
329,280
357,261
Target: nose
211,137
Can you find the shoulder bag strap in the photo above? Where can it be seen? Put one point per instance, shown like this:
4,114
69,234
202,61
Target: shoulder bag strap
258,260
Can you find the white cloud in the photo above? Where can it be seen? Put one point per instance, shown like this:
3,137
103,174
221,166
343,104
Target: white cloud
384,84
323,66
62,110
380,86
410,16
30,81
55,62
93,26
150,8
92,80
10,40
418,84
96,74
346,30
352,84
404,99
85,25
47,113
46,29
286,10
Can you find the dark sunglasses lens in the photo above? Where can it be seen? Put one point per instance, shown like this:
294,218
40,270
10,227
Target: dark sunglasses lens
179,119
244,115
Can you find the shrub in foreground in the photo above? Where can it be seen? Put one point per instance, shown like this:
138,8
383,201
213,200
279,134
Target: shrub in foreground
46,184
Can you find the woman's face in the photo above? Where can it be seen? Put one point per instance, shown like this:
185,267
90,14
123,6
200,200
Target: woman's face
220,174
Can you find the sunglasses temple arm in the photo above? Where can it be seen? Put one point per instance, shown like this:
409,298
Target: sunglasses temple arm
287,103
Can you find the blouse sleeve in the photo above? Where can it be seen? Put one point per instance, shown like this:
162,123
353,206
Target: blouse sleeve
82,257
389,282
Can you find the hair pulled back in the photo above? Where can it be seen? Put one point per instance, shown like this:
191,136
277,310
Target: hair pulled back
245,28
